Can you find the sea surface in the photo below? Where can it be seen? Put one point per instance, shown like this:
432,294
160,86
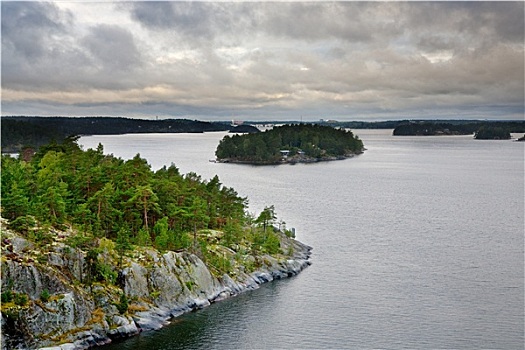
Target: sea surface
418,243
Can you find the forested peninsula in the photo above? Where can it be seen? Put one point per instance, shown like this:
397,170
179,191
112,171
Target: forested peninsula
290,143
96,248
20,132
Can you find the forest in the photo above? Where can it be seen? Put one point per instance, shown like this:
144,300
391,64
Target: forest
105,197
492,133
298,141
20,132
426,128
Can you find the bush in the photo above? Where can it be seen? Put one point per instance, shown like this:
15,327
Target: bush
40,236
44,296
7,296
79,240
189,285
123,305
272,244
23,224
20,299
106,273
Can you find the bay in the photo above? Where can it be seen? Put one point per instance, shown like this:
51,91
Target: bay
418,243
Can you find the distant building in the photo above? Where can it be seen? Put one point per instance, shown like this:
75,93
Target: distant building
237,122
285,153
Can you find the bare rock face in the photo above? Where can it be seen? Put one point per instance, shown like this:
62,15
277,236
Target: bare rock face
37,322
49,304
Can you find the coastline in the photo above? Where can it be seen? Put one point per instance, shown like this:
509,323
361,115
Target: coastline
160,287
290,160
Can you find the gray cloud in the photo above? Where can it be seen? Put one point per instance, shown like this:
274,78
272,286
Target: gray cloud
26,28
298,58
112,48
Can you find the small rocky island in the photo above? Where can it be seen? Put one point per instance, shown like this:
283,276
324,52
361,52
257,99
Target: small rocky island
292,143
95,248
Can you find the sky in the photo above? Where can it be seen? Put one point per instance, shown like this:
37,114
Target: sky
263,60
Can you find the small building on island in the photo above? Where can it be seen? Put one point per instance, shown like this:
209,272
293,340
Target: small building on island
285,153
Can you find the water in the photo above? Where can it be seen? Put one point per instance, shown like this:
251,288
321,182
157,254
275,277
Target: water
418,243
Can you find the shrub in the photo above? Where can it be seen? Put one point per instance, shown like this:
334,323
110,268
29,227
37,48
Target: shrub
189,285
122,305
7,296
272,244
106,273
79,240
23,223
20,299
44,296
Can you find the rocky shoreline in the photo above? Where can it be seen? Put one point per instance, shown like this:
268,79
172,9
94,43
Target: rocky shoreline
289,160
159,287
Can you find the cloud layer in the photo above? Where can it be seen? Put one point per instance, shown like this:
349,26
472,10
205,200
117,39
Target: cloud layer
262,60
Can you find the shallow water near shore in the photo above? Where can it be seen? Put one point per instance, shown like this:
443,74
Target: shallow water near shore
418,243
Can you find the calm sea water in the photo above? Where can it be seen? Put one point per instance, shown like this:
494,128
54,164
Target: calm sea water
418,243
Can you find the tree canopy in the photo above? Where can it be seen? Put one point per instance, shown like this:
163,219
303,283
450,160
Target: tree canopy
104,195
492,133
293,142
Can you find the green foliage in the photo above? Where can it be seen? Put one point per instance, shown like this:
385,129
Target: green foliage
219,262
44,295
20,299
189,285
313,141
117,203
23,224
267,217
180,240
143,238
492,133
123,243
106,245
102,194
106,273
79,240
161,234
233,233
272,244
123,304
461,127
38,131
92,266
40,236
97,271
7,296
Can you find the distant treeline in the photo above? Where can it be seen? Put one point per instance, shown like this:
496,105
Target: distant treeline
32,131
490,129
390,124
19,132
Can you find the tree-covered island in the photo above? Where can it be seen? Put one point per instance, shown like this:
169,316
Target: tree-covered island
290,144
96,248
482,130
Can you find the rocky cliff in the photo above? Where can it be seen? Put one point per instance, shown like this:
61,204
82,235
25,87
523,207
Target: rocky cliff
46,302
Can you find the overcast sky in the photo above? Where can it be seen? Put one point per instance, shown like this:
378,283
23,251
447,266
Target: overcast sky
264,60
